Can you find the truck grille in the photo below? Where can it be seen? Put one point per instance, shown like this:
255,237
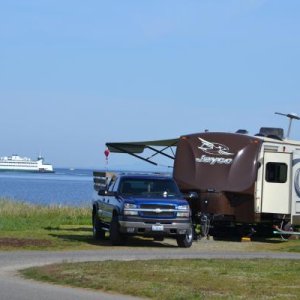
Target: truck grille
157,211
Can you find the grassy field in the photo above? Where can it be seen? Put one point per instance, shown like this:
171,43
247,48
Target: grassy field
31,227
23,216
181,279
25,226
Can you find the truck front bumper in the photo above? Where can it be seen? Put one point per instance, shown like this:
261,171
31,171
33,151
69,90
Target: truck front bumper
143,228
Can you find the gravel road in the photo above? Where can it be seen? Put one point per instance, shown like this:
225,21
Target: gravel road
13,287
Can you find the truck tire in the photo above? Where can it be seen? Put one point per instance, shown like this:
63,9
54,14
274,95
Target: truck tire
116,238
98,232
186,240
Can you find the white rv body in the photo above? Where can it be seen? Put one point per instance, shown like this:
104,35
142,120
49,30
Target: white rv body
280,194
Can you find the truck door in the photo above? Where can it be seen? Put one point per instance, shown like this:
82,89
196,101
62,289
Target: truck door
109,202
276,193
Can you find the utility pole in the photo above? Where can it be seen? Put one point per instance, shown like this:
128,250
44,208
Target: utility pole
291,117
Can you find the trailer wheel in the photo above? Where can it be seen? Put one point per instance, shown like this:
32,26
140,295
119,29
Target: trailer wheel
185,240
286,226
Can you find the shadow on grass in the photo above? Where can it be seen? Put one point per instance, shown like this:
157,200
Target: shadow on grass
75,229
235,234
268,240
227,236
132,241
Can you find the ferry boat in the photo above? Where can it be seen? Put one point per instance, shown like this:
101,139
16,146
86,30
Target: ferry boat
18,163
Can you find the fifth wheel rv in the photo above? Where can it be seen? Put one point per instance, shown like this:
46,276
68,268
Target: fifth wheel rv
240,178
233,178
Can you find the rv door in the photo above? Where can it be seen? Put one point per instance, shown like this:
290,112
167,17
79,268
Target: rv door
276,191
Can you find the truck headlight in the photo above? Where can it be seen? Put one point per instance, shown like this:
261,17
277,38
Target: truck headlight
130,209
183,207
183,211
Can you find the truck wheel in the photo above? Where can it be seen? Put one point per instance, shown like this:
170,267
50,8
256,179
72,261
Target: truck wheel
186,240
116,237
98,232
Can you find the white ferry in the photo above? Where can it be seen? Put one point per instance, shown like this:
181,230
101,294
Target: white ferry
18,163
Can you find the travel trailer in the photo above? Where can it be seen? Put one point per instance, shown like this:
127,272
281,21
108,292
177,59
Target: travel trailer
233,178
240,178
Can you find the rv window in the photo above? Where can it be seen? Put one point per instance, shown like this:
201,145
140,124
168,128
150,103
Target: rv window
276,172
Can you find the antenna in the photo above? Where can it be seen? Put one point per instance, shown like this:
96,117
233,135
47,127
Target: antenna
292,117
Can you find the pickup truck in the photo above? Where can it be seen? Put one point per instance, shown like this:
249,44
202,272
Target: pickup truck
140,204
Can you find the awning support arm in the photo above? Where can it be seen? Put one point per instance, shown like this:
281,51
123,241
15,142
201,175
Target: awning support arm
135,155
160,152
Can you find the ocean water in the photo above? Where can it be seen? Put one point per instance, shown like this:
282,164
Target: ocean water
64,187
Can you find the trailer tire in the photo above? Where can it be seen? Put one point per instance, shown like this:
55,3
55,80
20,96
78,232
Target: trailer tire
286,226
185,240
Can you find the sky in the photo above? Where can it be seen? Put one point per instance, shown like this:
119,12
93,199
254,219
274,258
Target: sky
77,74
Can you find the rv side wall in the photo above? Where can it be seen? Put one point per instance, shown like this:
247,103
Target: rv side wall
296,188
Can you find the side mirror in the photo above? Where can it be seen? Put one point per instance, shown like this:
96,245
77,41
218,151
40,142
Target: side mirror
106,193
102,192
192,195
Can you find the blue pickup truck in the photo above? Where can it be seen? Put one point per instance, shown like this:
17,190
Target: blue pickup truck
138,204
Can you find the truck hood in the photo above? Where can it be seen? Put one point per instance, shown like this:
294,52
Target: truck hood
152,200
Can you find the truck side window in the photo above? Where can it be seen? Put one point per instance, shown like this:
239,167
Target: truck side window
126,188
276,172
112,187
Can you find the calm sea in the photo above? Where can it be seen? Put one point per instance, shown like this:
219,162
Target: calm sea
64,187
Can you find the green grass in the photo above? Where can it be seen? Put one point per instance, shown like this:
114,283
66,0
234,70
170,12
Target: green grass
25,226
37,227
181,279
32,227
16,216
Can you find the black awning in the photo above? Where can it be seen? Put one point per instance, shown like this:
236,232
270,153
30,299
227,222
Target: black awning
135,148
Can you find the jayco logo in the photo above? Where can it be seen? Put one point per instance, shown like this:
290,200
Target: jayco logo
214,149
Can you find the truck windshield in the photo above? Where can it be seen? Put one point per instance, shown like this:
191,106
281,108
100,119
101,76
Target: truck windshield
159,187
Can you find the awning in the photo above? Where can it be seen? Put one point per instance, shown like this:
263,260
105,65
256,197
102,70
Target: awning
136,148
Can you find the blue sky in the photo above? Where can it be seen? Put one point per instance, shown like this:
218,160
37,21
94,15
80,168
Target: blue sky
77,74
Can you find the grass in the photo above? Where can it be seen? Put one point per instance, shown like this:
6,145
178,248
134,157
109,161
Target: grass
37,227
181,279
23,216
25,226
32,227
